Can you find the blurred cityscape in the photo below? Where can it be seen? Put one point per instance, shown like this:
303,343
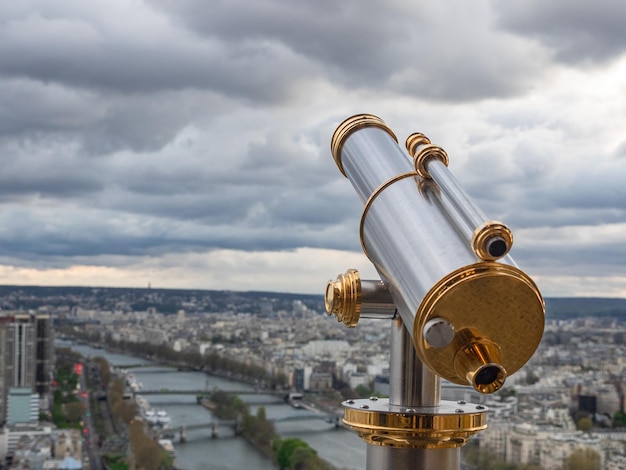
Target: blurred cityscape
564,409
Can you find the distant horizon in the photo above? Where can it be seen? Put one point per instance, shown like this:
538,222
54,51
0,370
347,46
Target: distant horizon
321,294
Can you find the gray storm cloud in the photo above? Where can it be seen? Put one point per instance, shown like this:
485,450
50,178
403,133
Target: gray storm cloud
144,129
575,31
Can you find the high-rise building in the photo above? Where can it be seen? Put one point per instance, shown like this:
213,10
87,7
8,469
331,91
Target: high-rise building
21,351
26,355
44,356
5,377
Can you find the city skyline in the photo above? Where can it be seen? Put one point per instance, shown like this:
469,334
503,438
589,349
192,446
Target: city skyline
187,145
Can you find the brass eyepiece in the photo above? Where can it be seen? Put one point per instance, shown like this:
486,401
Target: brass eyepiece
480,364
492,240
350,125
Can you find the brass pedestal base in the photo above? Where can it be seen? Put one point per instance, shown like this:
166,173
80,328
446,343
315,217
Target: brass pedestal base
446,426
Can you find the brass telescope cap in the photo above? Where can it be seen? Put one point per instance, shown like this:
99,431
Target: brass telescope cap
350,125
497,315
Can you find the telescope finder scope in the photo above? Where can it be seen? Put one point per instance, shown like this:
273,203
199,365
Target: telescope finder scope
474,317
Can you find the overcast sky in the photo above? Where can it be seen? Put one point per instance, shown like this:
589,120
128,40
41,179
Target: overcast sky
186,143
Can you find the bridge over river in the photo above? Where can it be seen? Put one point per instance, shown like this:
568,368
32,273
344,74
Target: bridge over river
169,391
251,397
214,425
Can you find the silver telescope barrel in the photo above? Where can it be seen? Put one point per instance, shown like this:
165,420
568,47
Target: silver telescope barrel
490,239
472,320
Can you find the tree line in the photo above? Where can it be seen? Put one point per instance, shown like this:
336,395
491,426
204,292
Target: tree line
146,453
289,453
212,362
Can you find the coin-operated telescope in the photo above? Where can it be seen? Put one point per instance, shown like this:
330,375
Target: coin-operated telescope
461,308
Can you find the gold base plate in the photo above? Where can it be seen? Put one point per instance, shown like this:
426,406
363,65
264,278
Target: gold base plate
449,425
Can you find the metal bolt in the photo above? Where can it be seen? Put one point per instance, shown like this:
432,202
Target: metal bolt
438,333
462,402
351,402
365,407
374,398
480,407
459,410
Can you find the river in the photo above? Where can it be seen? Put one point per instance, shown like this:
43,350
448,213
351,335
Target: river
340,447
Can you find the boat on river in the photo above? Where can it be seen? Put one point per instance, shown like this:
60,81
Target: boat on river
163,418
151,416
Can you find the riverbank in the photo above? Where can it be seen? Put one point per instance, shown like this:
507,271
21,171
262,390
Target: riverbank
213,363
207,403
